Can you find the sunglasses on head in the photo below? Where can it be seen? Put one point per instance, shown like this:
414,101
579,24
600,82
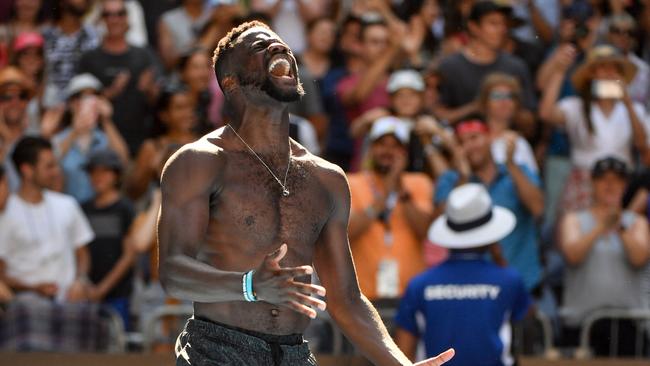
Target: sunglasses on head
498,95
108,14
24,95
622,31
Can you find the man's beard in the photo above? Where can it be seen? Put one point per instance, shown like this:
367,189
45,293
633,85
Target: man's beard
267,86
287,96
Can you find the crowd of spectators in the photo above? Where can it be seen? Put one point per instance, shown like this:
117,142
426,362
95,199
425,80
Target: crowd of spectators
543,102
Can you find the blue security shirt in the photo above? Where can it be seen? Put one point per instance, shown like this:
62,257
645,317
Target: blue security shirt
521,247
465,304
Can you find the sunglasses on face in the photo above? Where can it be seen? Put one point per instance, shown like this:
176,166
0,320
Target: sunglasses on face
621,31
22,96
108,14
498,95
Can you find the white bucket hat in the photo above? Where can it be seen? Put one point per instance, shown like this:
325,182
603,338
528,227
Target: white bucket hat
470,220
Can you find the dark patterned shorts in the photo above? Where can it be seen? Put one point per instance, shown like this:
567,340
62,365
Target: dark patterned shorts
207,343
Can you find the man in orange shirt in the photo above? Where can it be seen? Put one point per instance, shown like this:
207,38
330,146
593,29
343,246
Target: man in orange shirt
390,213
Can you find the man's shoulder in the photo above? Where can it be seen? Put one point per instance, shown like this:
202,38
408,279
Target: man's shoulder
59,198
205,148
323,167
61,202
200,160
452,61
512,63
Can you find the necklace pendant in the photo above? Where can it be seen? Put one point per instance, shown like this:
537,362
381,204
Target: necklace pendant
285,192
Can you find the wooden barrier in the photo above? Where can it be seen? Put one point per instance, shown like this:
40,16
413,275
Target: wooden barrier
46,359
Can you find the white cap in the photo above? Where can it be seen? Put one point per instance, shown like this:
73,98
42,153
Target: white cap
82,82
390,125
405,79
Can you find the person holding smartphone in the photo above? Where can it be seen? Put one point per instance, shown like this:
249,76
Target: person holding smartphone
601,120
88,127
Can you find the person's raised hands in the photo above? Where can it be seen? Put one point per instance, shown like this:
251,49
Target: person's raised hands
564,57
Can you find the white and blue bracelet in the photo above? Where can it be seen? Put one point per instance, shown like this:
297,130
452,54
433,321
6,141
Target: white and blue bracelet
247,286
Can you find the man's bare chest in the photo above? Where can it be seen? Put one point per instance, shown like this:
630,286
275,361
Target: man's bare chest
250,203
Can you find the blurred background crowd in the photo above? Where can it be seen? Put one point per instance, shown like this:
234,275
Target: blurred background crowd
411,97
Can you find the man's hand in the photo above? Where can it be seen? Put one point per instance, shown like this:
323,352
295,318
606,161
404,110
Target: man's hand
5,293
564,57
438,360
94,294
610,220
426,127
277,285
77,292
47,289
510,138
120,82
105,109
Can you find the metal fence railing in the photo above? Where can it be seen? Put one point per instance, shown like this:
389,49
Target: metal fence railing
640,315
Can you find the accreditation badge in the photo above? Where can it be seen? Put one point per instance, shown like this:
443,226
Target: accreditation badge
388,278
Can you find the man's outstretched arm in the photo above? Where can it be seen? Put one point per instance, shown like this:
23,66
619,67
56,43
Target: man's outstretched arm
351,310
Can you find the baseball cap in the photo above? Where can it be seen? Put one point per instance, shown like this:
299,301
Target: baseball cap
405,79
82,82
105,158
390,125
609,164
28,39
481,8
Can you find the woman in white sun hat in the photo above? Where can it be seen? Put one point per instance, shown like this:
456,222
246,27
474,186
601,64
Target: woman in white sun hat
467,297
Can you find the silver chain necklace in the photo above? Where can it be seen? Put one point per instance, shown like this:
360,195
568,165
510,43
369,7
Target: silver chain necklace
285,191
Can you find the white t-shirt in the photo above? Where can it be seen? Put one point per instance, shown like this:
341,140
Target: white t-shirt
523,153
612,136
39,240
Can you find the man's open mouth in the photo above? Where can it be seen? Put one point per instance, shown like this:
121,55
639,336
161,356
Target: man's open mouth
280,67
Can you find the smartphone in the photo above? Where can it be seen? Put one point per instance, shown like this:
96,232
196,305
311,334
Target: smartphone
607,89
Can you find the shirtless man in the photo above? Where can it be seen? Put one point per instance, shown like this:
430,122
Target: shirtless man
245,197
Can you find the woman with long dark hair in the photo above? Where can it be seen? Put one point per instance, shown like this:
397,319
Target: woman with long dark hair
174,125
195,72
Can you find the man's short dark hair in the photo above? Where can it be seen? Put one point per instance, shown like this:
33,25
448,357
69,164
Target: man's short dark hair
27,150
2,172
227,43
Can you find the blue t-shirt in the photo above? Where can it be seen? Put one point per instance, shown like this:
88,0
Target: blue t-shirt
77,181
466,303
521,246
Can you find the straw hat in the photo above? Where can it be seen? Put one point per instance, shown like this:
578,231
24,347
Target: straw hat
600,54
12,75
471,220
